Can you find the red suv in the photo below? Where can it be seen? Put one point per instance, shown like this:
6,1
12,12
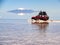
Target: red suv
41,16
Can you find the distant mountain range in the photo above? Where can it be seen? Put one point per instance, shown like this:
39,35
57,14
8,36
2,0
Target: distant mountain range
22,11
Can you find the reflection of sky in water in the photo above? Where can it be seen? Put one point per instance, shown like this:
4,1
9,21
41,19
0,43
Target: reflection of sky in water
16,32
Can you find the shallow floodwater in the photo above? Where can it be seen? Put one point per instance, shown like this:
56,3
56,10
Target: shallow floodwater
21,32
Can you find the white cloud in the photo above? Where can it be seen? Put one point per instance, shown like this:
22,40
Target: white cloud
21,14
21,8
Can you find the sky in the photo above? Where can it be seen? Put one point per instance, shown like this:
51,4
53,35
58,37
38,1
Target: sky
52,7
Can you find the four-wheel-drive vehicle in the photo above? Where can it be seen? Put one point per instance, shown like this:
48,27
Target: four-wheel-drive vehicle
41,16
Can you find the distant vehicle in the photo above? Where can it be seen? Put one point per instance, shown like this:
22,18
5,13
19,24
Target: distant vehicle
41,16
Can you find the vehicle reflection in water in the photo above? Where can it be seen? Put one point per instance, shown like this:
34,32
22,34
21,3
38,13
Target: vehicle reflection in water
42,27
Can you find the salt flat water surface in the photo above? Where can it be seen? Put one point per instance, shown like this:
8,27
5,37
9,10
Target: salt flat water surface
21,32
